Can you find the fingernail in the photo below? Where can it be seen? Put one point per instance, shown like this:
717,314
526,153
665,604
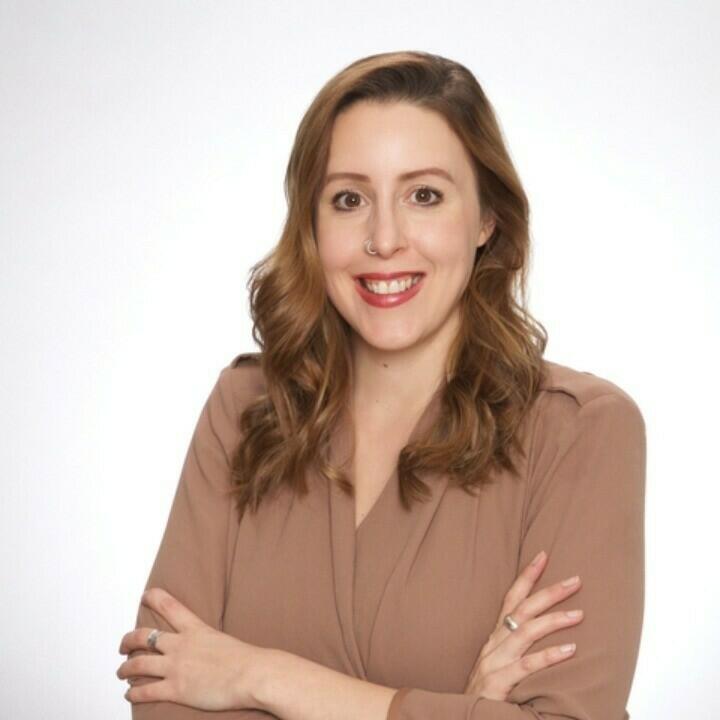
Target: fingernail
567,648
570,581
573,613
538,557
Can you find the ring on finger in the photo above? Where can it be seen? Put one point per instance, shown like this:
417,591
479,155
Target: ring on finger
152,637
510,623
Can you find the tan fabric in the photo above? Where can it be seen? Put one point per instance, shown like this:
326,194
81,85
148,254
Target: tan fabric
409,599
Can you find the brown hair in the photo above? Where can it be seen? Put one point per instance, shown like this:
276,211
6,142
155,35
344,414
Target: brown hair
494,367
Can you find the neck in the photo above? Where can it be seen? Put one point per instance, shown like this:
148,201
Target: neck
388,384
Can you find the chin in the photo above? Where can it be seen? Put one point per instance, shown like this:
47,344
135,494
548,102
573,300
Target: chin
390,344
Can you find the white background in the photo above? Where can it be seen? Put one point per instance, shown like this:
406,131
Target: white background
142,152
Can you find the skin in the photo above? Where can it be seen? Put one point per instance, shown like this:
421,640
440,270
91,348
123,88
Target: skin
399,353
398,357
431,223
201,667
194,664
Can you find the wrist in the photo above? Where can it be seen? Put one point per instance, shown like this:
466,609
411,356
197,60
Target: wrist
268,671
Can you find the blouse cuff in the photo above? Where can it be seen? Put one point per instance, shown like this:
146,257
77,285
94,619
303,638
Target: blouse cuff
418,704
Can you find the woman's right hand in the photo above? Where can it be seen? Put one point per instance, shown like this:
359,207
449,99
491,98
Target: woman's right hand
502,662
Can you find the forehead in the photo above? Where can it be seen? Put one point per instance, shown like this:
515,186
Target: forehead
374,139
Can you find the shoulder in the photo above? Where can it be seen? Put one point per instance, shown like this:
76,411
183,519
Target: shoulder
587,453
581,386
570,400
243,379
246,359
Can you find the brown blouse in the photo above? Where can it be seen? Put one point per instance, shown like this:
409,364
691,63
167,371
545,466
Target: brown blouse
408,600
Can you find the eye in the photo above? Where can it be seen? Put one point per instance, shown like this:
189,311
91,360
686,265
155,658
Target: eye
354,197
341,194
426,190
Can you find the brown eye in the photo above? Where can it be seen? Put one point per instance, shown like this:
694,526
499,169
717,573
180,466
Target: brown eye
425,192
355,200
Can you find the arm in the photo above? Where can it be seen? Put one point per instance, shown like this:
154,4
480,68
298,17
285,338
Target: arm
585,507
194,556
295,688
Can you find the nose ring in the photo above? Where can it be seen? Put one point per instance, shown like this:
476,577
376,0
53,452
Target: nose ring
368,242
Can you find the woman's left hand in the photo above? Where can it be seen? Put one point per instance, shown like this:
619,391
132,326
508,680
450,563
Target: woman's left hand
197,665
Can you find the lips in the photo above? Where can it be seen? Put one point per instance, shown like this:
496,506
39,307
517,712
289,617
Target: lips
387,300
388,276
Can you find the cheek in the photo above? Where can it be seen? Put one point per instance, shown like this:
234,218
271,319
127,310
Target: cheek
334,256
337,245
337,258
447,244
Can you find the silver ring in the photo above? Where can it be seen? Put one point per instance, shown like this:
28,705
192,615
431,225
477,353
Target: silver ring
152,638
367,247
510,623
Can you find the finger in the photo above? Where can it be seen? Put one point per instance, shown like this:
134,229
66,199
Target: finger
516,643
142,679
179,616
161,690
515,595
543,599
530,608
143,665
137,639
512,674
523,584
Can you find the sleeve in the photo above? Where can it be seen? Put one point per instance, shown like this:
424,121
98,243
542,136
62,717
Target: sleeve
195,554
585,507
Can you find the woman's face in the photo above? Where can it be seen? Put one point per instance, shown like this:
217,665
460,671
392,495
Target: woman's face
427,223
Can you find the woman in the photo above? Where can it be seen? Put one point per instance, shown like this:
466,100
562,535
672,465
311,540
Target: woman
377,512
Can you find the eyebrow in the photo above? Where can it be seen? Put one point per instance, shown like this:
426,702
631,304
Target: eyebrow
403,176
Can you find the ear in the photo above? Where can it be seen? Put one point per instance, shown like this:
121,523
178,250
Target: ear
486,229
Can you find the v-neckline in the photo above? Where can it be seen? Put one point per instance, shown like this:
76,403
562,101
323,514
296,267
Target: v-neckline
343,443
401,528
391,481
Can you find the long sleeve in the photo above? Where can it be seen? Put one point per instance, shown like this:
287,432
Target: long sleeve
585,507
194,558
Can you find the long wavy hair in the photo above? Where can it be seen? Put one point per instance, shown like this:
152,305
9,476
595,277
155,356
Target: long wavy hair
494,367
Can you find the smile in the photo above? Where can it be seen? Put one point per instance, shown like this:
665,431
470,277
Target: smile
386,294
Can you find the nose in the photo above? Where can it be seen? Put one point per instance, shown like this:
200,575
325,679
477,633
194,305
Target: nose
386,231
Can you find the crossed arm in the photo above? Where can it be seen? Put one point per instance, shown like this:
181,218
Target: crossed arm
592,487
294,688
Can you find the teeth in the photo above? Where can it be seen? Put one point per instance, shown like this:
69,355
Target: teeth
396,285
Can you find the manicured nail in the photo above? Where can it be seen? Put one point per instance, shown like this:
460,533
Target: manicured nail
574,613
567,648
538,557
570,581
